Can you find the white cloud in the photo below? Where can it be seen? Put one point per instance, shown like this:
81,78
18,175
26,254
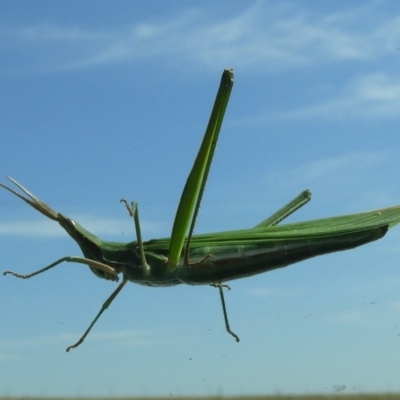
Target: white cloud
349,316
371,313
273,292
395,305
8,358
266,36
368,96
98,226
124,337
351,164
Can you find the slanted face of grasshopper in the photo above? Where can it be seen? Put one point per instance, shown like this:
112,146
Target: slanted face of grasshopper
217,257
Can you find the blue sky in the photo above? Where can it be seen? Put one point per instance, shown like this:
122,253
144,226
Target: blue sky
102,100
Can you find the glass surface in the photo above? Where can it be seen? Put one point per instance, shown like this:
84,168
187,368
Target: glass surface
102,100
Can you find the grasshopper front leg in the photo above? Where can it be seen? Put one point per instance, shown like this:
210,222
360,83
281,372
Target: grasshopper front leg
110,272
134,212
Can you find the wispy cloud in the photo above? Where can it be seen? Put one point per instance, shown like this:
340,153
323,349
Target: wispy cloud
368,96
368,314
395,305
266,36
270,292
8,357
356,161
98,226
349,316
124,337
349,165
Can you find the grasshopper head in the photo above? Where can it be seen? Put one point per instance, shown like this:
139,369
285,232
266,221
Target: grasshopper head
89,243
72,228
32,200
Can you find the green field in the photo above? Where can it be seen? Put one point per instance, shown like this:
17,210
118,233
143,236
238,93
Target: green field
388,396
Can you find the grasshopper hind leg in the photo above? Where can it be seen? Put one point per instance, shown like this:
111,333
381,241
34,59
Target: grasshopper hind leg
221,293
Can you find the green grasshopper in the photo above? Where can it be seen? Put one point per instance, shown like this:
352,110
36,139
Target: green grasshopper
211,259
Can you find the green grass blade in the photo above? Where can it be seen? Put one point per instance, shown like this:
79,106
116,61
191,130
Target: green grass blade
192,193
